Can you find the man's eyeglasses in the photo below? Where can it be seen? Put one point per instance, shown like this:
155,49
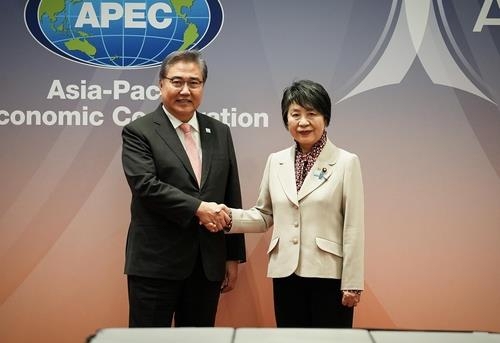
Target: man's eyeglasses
179,83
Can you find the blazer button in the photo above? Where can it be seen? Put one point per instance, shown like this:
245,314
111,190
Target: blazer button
295,240
296,224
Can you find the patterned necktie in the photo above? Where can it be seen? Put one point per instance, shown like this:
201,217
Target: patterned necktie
192,150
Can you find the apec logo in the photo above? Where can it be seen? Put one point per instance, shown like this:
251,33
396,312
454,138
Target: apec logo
122,34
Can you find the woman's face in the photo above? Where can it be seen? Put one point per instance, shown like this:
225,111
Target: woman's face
306,125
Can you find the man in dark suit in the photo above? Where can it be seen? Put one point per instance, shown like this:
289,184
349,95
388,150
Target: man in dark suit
177,261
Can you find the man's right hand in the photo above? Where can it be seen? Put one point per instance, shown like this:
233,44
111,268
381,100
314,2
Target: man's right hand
213,216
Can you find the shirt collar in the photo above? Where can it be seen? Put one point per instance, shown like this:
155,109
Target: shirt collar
315,150
176,122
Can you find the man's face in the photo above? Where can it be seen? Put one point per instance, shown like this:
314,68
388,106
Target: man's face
181,92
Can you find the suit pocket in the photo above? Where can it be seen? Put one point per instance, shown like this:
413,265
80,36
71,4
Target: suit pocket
273,244
329,246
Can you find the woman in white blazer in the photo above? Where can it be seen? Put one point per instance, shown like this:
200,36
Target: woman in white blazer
312,196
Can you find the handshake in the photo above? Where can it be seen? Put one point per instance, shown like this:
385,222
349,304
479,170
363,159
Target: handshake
215,217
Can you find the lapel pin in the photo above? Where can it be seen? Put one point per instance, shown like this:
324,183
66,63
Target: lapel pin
207,130
320,174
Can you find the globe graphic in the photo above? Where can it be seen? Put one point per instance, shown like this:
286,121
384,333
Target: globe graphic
122,36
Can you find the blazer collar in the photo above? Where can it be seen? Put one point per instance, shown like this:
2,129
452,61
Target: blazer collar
320,172
208,144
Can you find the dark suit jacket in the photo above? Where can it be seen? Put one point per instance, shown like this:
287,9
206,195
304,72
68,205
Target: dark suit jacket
164,235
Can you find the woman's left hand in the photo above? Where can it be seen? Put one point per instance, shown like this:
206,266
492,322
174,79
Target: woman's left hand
350,298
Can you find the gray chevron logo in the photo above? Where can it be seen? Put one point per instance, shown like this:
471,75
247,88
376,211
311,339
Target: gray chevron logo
417,33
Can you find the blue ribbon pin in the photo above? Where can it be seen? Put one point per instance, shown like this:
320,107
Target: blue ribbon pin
320,174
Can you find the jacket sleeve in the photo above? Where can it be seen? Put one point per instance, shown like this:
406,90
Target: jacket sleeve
353,231
260,217
235,244
140,170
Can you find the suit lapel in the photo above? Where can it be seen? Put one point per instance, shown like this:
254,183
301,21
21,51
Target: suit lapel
320,171
208,147
286,175
167,132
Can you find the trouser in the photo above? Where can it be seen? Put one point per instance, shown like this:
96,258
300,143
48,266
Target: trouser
310,303
191,302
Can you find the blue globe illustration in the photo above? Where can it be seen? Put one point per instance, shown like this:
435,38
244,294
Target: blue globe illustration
123,34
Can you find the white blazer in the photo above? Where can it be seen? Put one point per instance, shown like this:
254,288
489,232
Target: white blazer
319,231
